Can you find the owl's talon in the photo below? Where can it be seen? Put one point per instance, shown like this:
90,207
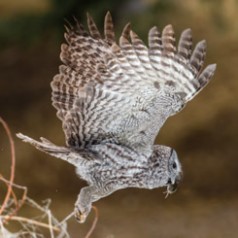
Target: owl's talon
79,215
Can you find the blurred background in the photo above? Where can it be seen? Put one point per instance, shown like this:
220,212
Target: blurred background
205,134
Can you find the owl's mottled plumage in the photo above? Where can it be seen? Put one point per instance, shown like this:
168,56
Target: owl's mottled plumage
113,99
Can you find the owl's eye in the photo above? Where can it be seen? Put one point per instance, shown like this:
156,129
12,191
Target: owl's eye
174,165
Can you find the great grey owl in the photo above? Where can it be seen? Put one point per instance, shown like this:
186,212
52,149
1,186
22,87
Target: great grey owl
113,98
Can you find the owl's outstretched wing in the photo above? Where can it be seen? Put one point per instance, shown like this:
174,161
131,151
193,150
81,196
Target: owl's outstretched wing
124,92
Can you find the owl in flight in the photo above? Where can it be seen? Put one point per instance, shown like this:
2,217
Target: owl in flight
113,98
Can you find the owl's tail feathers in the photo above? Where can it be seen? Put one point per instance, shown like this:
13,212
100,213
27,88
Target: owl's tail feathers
48,147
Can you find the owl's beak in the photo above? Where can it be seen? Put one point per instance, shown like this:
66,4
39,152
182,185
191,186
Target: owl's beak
173,185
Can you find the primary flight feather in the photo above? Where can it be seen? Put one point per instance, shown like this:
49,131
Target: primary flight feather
113,98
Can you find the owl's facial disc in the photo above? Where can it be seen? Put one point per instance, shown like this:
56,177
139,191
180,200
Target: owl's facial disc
176,177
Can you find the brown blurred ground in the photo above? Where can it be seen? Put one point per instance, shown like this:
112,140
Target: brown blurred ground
204,134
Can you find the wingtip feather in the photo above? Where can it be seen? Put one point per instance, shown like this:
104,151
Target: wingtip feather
109,29
168,40
126,30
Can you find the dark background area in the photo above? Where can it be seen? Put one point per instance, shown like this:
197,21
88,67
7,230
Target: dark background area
205,133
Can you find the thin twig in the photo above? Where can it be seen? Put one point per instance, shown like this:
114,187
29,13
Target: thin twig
30,221
94,223
65,219
50,224
19,203
7,184
9,190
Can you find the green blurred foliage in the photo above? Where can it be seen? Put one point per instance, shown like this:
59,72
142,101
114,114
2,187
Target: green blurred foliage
26,28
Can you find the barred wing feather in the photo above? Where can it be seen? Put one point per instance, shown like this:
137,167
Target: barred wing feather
123,92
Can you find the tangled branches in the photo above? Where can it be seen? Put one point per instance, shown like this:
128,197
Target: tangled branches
44,224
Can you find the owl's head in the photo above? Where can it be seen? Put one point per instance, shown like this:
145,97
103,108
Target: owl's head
167,170
174,172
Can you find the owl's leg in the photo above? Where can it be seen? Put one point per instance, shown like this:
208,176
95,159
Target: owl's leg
86,197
